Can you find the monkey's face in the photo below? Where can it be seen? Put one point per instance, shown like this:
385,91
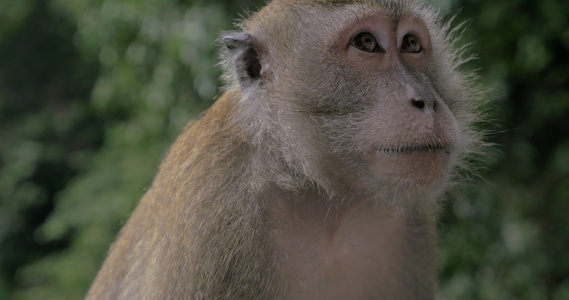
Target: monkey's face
383,108
365,91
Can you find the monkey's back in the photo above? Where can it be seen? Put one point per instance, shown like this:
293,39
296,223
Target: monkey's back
210,245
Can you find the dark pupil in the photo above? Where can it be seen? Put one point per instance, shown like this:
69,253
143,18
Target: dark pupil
369,42
412,44
365,42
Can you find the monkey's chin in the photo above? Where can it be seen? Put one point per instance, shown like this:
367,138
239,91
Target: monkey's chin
420,165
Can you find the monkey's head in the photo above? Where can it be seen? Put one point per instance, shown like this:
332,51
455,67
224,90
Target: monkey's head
365,94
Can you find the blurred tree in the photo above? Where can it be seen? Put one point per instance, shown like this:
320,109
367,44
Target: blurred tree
507,237
46,127
91,94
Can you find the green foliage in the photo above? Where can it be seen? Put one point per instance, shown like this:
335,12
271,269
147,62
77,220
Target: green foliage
506,237
93,92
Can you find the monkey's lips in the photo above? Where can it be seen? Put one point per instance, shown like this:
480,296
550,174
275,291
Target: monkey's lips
413,149
419,164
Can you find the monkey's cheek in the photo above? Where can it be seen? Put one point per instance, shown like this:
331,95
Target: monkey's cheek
417,168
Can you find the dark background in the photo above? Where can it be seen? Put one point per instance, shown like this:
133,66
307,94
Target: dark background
92,92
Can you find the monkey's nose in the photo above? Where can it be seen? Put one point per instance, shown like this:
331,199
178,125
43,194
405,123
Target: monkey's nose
423,104
417,100
418,103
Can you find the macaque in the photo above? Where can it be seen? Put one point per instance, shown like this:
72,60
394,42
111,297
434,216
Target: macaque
318,171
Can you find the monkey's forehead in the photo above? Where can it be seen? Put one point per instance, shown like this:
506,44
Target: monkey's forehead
391,7
280,20
310,12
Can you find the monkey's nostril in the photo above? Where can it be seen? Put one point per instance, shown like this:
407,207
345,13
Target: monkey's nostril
418,103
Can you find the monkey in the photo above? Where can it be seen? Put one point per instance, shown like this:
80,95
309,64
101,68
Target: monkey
319,170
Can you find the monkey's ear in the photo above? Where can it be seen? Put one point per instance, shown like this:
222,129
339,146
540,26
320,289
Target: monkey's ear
247,54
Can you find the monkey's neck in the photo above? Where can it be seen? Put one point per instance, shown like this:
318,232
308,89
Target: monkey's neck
334,249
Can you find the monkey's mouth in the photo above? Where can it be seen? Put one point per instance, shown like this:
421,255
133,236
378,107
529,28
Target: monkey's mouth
420,162
414,149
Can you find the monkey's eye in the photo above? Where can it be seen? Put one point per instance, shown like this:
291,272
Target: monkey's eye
365,41
411,44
